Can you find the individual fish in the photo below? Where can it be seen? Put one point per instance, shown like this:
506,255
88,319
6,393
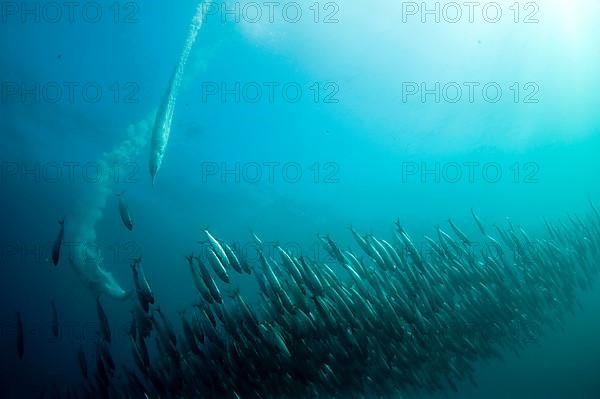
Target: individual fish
106,356
256,238
217,266
104,325
164,117
478,222
20,337
462,236
209,282
270,274
58,243
412,251
54,320
290,266
132,331
82,362
143,323
198,281
188,332
162,127
142,288
124,212
362,243
310,277
233,259
102,373
205,312
167,326
217,249
140,354
332,249
137,358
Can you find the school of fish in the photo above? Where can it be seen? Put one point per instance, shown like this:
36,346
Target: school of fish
396,319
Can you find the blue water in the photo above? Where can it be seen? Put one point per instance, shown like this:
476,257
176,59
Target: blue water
361,149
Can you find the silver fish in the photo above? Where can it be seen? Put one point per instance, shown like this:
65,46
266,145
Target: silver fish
124,212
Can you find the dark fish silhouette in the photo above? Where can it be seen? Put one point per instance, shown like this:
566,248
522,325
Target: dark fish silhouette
104,326
142,288
124,212
58,243
82,362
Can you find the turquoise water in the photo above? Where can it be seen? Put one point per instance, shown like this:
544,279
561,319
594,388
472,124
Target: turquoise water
360,146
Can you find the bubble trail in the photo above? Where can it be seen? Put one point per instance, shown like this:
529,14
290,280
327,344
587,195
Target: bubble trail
87,261
164,117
